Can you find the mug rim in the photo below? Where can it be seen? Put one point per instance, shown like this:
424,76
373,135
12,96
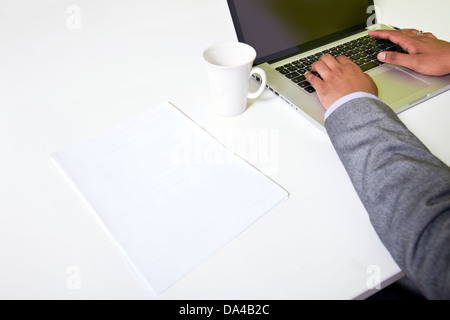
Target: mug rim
234,43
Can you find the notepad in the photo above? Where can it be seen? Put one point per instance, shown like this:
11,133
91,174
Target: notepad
166,192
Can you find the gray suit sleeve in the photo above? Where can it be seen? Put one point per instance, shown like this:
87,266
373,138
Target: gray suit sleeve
404,188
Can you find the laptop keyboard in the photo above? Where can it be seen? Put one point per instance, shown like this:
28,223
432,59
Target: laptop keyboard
362,51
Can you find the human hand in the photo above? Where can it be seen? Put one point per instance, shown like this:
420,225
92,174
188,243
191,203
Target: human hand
340,77
427,54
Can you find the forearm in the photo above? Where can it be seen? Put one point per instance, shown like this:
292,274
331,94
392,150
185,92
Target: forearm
405,189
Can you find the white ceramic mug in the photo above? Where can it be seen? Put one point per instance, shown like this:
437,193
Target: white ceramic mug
229,67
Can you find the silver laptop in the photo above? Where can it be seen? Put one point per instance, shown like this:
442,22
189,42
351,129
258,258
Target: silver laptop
289,35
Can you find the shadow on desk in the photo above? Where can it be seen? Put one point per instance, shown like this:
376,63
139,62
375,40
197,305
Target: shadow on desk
399,290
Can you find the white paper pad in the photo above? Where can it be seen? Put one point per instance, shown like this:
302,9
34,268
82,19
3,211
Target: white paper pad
167,193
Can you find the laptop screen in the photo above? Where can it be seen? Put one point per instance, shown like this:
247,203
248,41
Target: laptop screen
279,28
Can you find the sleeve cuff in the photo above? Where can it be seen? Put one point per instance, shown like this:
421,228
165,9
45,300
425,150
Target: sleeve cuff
347,98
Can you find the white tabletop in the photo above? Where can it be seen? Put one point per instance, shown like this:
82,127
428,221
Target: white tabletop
72,69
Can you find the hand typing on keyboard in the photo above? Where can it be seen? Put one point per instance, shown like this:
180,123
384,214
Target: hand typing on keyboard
427,54
362,51
340,75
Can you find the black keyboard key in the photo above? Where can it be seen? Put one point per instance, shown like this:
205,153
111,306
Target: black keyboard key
298,79
282,71
383,41
304,84
368,66
292,75
310,89
335,53
374,45
291,68
396,48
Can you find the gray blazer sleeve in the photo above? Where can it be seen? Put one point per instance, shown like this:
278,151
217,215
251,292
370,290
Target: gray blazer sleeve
405,189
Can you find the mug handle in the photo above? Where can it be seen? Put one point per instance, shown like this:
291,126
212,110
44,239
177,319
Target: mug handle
262,76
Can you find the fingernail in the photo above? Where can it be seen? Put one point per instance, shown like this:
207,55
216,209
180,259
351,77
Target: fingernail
382,56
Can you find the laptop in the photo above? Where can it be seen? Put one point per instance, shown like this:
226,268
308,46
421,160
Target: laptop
289,35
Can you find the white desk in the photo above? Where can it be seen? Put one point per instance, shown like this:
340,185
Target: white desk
59,86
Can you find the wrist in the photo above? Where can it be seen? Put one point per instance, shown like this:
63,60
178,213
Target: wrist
347,98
